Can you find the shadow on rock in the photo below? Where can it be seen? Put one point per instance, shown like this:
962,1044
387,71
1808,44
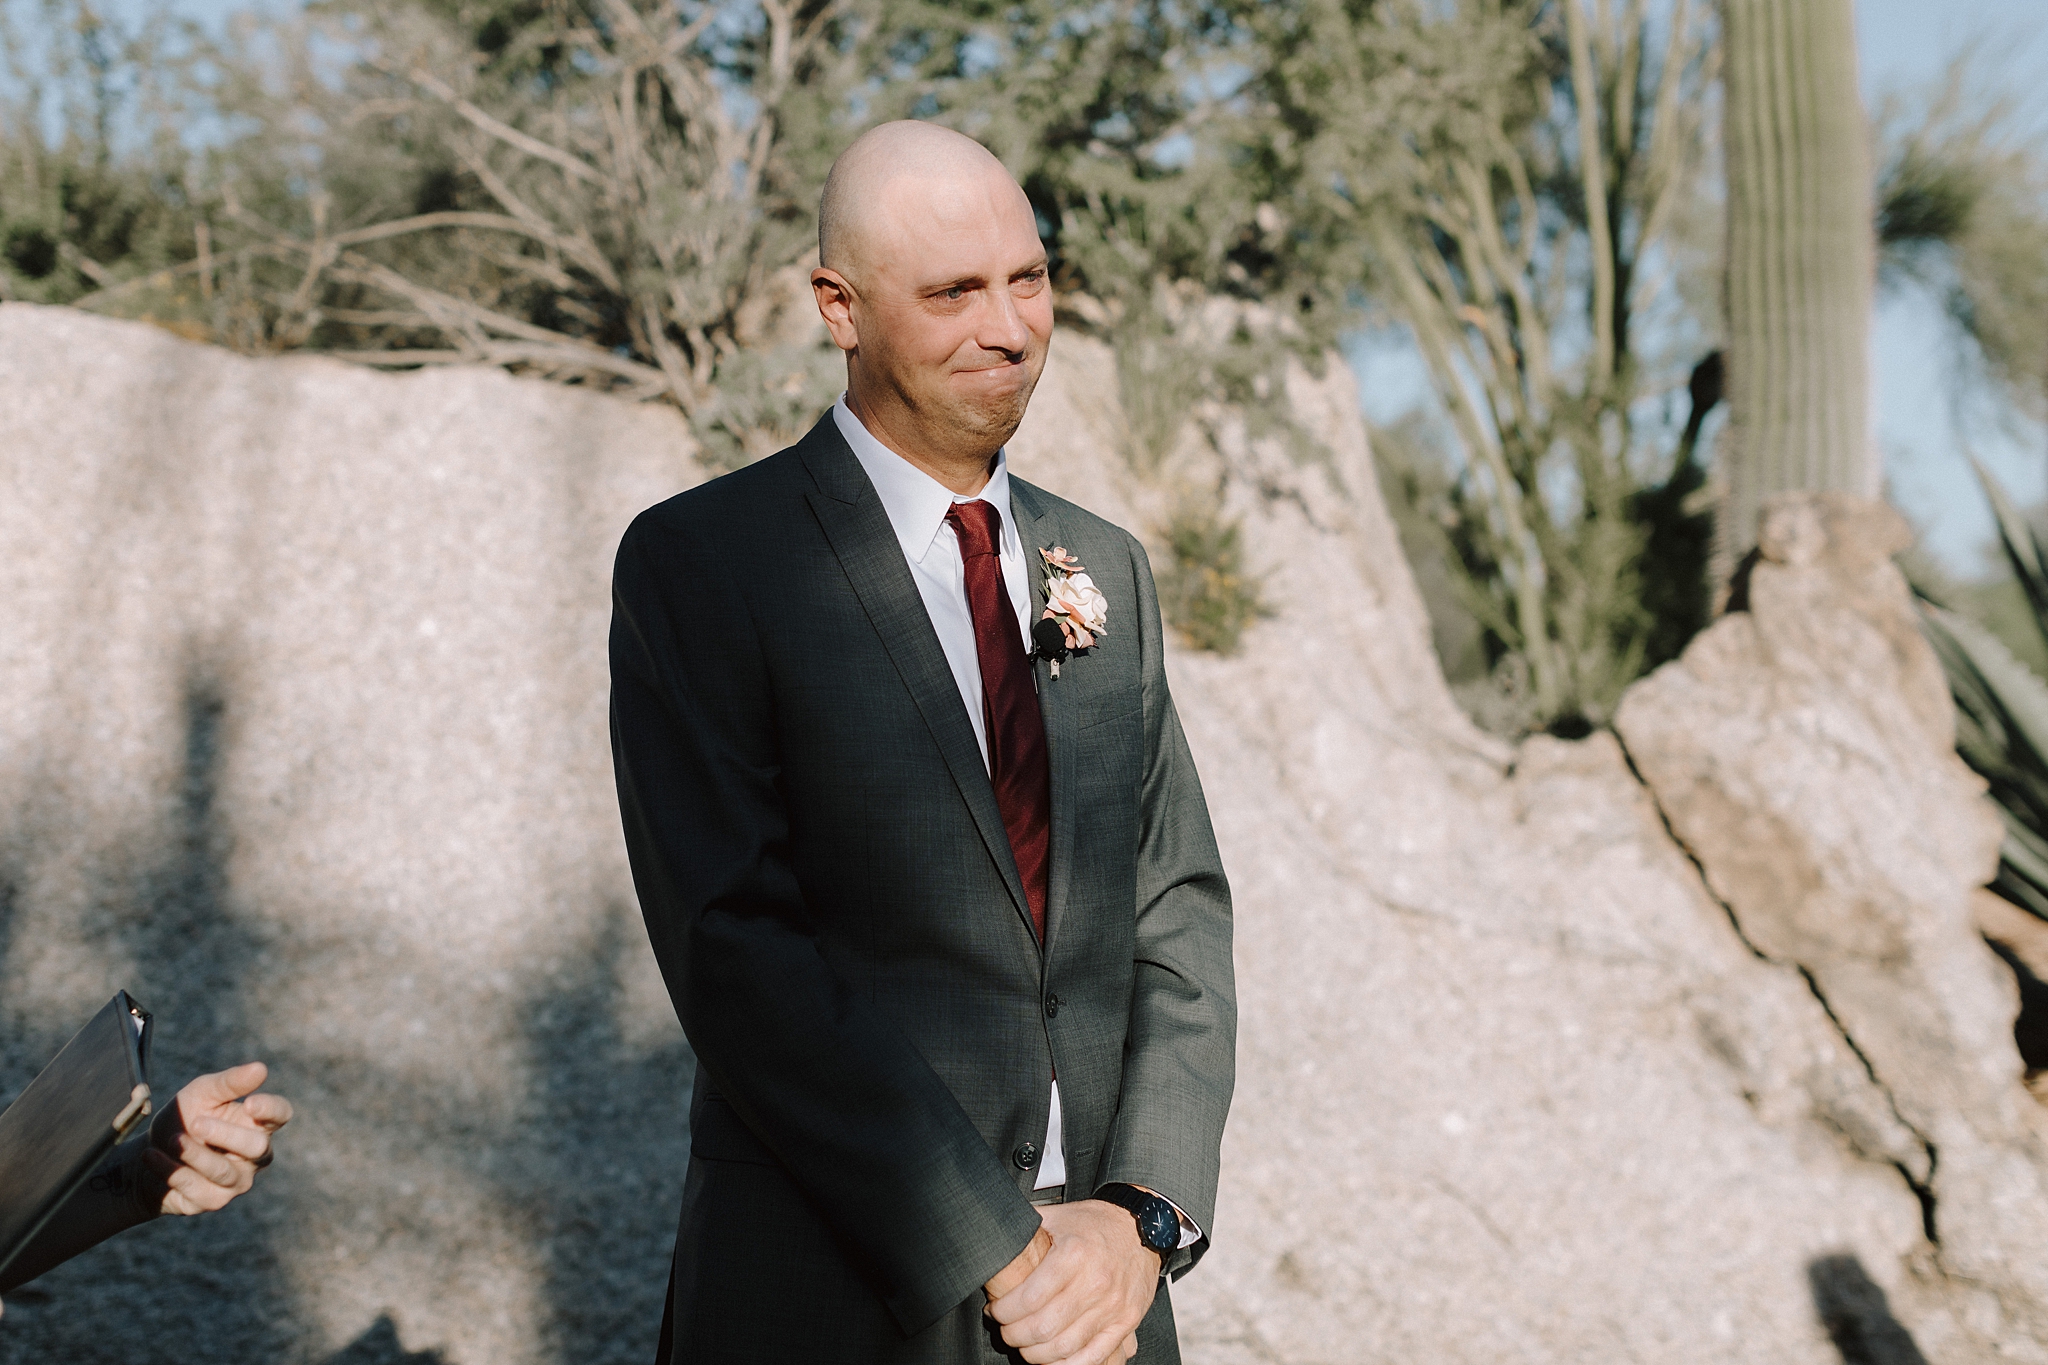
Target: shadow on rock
218,1279
379,1345
2030,1029
1857,1316
610,1130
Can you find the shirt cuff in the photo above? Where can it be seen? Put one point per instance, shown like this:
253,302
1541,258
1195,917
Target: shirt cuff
1189,1232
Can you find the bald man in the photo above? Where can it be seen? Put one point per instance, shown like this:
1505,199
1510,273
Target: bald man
919,843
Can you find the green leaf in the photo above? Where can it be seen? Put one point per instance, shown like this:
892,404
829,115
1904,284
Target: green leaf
1998,691
2028,895
2023,548
2002,733
2026,850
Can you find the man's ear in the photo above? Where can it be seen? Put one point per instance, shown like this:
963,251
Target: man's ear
835,305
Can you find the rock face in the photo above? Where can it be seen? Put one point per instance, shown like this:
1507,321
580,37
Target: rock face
1803,751
1513,1085
302,739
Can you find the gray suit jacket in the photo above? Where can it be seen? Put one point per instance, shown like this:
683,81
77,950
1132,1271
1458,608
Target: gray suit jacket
830,892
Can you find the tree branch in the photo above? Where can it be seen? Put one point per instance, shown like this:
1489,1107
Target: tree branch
505,132
1592,172
1526,579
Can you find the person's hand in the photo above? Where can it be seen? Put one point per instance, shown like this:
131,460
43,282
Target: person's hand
1083,1302
207,1145
1019,1270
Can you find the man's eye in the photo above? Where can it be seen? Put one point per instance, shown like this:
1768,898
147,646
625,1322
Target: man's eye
955,292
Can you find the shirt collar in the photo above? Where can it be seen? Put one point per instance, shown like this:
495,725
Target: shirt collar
916,502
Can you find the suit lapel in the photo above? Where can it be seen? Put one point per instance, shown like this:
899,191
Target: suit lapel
1038,526
859,532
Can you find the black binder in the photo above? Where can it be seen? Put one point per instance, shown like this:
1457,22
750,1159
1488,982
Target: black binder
58,1131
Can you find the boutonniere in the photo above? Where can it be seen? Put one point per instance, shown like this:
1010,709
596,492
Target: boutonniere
1075,609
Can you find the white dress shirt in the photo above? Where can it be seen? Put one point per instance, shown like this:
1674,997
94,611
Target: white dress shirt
917,505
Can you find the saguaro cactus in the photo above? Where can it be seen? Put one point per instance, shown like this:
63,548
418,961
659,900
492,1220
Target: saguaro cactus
1801,261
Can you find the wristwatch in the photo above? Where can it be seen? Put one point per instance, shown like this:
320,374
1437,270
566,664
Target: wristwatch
1158,1220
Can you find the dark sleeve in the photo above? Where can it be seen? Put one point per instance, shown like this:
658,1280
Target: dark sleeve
1180,1056
112,1200
849,1106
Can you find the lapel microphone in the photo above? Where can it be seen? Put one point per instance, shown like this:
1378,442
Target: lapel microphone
1050,640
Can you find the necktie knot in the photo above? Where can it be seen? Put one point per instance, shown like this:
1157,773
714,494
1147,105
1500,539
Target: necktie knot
977,524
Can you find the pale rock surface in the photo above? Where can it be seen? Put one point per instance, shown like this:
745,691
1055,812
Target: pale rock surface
302,738
303,741
1511,1087
1803,751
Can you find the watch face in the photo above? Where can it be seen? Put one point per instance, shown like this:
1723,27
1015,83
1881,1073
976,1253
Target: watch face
1158,1226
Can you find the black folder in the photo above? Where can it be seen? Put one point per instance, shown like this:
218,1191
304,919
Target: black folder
58,1131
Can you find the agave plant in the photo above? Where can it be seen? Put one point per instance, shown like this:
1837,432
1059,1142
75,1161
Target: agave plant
2002,710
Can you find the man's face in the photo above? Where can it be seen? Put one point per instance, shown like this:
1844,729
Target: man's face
951,312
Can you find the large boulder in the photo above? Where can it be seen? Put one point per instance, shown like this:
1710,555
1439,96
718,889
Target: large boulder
302,738
1803,751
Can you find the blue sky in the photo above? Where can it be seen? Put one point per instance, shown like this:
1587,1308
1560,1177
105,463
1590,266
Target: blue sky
1924,431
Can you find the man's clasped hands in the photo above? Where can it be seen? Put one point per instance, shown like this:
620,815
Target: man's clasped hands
1076,1293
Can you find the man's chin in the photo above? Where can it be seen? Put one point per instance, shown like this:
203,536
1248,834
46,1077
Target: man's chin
999,408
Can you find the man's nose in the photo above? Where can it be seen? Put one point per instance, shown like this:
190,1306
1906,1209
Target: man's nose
1004,329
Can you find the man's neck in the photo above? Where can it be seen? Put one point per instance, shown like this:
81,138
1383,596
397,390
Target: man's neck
965,475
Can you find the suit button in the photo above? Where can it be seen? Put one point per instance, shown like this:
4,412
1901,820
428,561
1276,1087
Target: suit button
1052,1007
1026,1156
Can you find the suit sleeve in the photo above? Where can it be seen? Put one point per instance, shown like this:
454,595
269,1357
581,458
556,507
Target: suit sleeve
1180,1056
842,1099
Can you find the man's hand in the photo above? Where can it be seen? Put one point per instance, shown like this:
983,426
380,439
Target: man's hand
207,1145
1019,1270
1083,1302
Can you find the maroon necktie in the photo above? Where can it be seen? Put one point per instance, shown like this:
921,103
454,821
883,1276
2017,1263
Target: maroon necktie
1009,703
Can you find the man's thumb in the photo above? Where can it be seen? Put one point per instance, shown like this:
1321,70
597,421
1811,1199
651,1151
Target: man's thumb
220,1087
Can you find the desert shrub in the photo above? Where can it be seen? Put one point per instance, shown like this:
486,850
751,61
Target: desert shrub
1963,213
94,182
1205,591
2002,708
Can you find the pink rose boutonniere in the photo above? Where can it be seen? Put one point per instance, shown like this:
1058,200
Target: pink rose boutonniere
1075,609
